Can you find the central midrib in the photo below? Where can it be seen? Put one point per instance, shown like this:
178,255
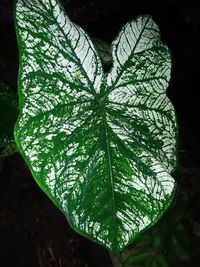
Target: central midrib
110,169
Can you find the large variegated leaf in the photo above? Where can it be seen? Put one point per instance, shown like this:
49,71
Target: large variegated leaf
8,117
101,145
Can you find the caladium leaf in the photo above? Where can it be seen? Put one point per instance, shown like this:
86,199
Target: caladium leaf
8,117
101,145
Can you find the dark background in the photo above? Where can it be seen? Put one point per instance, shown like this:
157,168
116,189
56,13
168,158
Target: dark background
32,230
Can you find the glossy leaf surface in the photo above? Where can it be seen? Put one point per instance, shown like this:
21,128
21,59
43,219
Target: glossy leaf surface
101,145
8,117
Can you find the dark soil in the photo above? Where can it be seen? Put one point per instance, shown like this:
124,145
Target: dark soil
33,232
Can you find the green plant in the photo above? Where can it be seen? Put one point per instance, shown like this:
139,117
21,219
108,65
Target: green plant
8,116
100,144
164,245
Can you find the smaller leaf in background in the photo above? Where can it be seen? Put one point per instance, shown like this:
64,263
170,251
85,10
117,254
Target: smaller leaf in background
105,52
137,259
168,241
179,247
154,263
167,225
8,117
